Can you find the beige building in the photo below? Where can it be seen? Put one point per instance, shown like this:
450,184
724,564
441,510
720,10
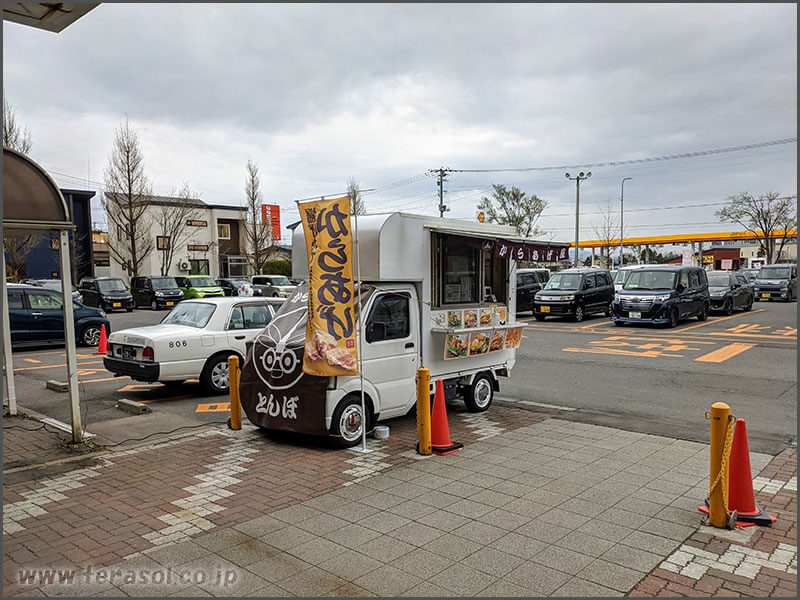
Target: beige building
214,245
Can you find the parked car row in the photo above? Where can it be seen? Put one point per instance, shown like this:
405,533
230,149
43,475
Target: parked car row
160,292
655,294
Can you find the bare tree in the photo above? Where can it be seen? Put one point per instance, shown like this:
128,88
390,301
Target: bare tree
17,247
762,217
356,201
606,230
170,218
256,232
127,197
13,136
514,208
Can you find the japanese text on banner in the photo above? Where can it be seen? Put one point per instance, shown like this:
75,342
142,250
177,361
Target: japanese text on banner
331,329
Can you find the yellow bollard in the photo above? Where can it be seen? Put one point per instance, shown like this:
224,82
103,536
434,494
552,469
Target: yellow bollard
424,411
236,405
721,439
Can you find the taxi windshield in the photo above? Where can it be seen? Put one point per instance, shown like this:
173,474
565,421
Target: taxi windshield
191,314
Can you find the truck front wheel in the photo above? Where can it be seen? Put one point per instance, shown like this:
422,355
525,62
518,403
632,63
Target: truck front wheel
478,397
348,420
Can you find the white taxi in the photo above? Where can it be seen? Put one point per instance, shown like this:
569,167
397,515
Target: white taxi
193,341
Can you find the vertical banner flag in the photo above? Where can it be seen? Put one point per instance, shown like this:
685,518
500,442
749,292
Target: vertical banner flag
331,327
271,213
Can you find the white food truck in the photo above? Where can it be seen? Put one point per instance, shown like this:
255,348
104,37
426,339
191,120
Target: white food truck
438,293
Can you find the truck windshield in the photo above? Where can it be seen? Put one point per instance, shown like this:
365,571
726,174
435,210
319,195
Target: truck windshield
191,314
564,281
650,280
279,281
774,273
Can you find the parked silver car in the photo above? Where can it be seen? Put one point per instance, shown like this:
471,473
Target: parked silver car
277,286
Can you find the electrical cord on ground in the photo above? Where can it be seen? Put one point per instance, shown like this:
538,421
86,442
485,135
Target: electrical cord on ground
161,433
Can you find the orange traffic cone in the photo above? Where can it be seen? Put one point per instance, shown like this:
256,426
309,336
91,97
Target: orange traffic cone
440,432
103,347
740,484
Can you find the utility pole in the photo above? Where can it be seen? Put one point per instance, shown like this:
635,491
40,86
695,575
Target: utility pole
621,230
442,179
577,179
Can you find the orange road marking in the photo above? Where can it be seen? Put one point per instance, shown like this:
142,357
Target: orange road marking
597,324
32,360
649,354
214,407
764,336
724,353
105,379
664,339
88,362
744,314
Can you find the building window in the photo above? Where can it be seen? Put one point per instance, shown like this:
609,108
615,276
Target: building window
198,266
224,231
162,242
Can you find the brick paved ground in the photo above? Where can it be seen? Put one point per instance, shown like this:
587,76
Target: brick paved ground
129,500
754,562
27,441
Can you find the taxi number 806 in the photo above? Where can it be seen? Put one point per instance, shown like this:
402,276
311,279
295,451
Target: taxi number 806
177,344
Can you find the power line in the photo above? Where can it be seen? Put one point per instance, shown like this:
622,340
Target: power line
635,161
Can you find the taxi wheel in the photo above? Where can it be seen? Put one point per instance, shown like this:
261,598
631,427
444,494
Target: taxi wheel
214,377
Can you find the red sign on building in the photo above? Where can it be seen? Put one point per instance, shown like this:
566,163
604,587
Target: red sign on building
271,213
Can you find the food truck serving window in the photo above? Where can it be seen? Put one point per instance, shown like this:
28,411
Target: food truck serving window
465,274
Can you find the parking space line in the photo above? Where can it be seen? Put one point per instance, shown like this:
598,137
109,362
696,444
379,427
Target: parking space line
704,323
88,362
105,379
724,353
655,339
32,360
596,324
647,354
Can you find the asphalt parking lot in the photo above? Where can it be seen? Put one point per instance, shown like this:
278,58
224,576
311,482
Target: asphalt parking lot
641,378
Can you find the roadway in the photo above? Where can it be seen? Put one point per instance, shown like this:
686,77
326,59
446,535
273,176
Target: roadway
646,379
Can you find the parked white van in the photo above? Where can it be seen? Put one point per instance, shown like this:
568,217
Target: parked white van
438,293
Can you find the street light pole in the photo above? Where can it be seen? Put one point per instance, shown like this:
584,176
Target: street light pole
621,230
577,179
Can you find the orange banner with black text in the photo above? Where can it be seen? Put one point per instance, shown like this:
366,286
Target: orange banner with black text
331,328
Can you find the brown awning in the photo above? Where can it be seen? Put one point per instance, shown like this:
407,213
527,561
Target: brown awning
31,199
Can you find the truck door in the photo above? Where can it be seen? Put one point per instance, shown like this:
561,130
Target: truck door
391,348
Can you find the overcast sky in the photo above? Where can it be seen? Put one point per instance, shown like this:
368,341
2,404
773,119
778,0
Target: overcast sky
316,94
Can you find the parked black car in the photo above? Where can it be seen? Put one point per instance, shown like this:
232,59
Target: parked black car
108,293
750,274
155,291
728,291
55,285
36,318
575,293
663,295
232,285
776,282
529,281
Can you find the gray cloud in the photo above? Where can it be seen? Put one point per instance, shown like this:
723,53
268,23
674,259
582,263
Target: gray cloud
318,93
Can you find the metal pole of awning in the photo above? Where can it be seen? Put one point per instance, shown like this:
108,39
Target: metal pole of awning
69,336
8,360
